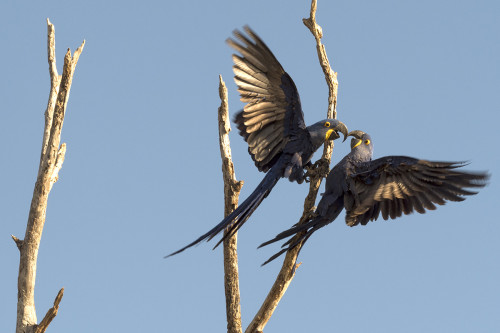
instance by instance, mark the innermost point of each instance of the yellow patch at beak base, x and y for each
(357, 144)
(328, 133)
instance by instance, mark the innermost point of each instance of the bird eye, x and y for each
(367, 142)
(327, 124)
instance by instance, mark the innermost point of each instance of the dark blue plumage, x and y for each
(391, 186)
(272, 123)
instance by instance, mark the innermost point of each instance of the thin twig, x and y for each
(232, 189)
(51, 159)
(330, 75)
(55, 80)
(51, 314)
(19, 242)
(289, 266)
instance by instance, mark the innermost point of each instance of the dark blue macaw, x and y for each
(272, 123)
(391, 186)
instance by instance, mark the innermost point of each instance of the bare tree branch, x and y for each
(232, 189)
(330, 75)
(55, 80)
(51, 160)
(19, 242)
(289, 266)
(51, 314)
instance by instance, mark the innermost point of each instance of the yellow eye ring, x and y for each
(367, 142)
(327, 124)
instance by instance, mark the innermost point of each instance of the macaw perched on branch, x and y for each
(272, 123)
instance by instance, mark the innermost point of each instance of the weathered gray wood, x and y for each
(51, 160)
(232, 189)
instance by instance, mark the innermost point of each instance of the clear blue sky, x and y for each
(142, 172)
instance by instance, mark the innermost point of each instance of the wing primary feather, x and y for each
(248, 68)
(249, 57)
(249, 78)
(266, 117)
(250, 109)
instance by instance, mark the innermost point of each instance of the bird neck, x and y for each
(360, 155)
(317, 139)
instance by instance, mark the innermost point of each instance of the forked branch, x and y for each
(51, 160)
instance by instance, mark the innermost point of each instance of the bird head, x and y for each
(361, 141)
(327, 129)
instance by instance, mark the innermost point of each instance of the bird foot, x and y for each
(312, 213)
(319, 169)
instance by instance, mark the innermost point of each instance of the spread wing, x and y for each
(273, 113)
(396, 185)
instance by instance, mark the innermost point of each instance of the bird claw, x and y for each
(312, 213)
(319, 168)
(307, 177)
(301, 179)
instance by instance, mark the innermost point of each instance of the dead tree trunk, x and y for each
(51, 160)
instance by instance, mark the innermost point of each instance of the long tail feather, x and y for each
(240, 215)
(301, 233)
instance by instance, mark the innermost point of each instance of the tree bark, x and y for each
(232, 189)
(51, 160)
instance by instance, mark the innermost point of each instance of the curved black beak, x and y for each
(339, 127)
(356, 133)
